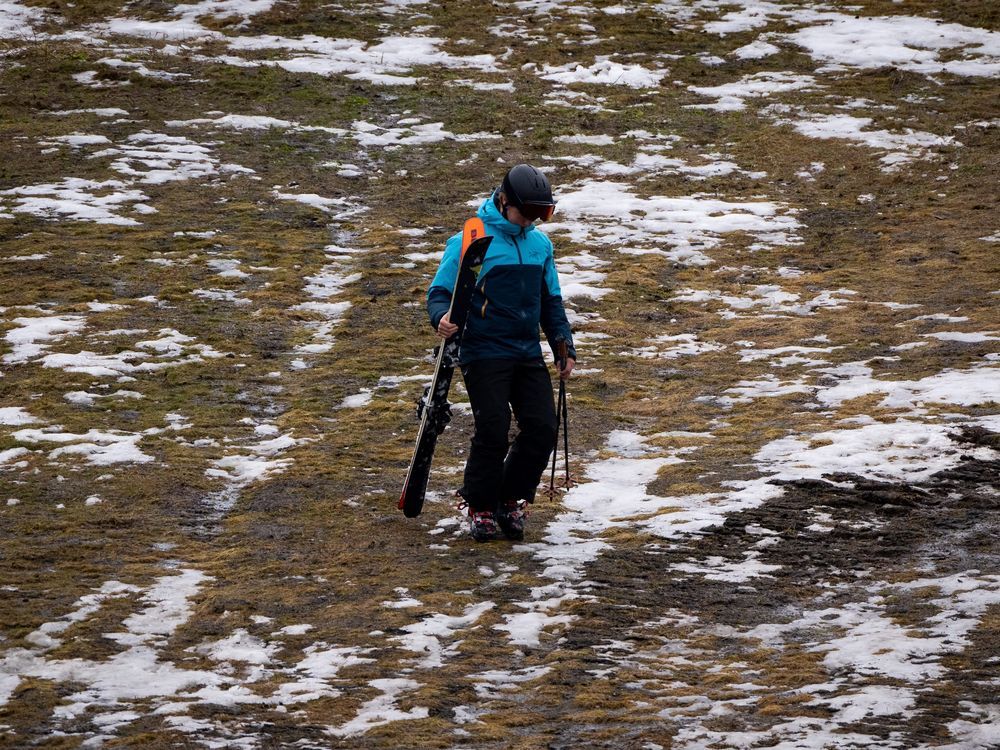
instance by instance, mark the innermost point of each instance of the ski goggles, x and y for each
(535, 211)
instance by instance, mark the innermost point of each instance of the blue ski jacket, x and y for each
(517, 290)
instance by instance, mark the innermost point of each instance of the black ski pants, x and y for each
(498, 470)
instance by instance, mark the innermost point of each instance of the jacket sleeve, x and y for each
(439, 294)
(555, 325)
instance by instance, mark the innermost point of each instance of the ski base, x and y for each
(434, 410)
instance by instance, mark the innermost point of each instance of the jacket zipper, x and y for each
(520, 260)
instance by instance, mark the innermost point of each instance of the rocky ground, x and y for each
(777, 239)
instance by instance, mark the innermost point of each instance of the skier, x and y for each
(517, 290)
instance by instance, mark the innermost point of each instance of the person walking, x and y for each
(517, 291)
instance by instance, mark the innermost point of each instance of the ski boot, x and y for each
(511, 519)
(483, 525)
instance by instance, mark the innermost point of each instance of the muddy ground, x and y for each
(212, 336)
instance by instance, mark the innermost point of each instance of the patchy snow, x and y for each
(587, 140)
(904, 42)
(767, 299)
(878, 666)
(425, 636)
(223, 9)
(382, 709)
(672, 347)
(731, 97)
(86, 398)
(169, 607)
(15, 416)
(357, 400)
(868, 642)
(136, 673)
(578, 277)
(901, 451)
(331, 281)
(250, 123)
(221, 295)
(99, 111)
(756, 50)
(767, 386)
(615, 496)
(44, 636)
(239, 646)
(900, 147)
(388, 62)
(612, 213)
(847, 42)
(255, 462)
(17, 21)
(716, 568)
(77, 200)
(615, 493)
(525, 628)
(494, 682)
(974, 387)
(180, 30)
(964, 338)
(649, 164)
(604, 71)
(76, 140)
(172, 349)
(100, 448)
(340, 207)
(227, 268)
(9, 456)
(369, 135)
(786, 356)
(141, 69)
(404, 601)
(155, 158)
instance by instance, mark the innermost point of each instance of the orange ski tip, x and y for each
(473, 230)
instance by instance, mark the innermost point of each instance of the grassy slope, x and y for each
(293, 548)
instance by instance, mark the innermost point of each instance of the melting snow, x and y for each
(257, 463)
(424, 637)
(239, 646)
(904, 42)
(171, 350)
(15, 416)
(386, 62)
(902, 451)
(96, 446)
(604, 71)
(382, 709)
(902, 147)
(78, 200)
(732, 96)
(611, 213)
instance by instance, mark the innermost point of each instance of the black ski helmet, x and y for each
(528, 190)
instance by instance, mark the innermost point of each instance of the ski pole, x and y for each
(555, 452)
(565, 416)
(562, 355)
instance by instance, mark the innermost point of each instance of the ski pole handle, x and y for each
(562, 354)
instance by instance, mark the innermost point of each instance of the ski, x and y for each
(433, 409)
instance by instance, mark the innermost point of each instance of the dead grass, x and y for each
(323, 543)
